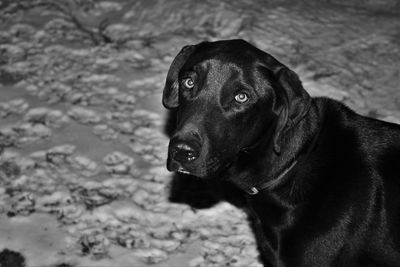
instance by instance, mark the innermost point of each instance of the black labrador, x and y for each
(323, 181)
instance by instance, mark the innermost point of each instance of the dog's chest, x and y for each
(287, 237)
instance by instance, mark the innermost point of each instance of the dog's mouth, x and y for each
(210, 168)
(198, 172)
(181, 170)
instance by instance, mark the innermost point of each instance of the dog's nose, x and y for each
(184, 152)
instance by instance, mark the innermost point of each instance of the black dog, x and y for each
(323, 181)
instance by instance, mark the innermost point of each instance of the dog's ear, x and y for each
(292, 104)
(170, 97)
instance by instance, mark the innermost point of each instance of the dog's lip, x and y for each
(173, 166)
(182, 170)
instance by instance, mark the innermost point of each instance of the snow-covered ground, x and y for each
(82, 171)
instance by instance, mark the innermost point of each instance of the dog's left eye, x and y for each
(241, 98)
(188, 83)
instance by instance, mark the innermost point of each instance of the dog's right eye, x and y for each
(188, 83)
(241, 98)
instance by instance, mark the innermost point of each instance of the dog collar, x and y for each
(254, 190)
(271, 184)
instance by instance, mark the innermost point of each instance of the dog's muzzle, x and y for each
(182, 154)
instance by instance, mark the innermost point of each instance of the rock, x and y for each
(107, 6)
(71, 213)
(122, 183)
(125, 127)
(83, 115)
(185, 235)
(148, 81)
(31, 88)
(16, 106)
(151, 256)
(22, 31)
(38, 130)
(11, 53)
(22, 204)
(78, 98)
(9, 169)
(141, 148)
(111, 90)
(127, 212)
(168, 245)
(4, 111)
(56, 118)
(53, 92)
(38, 156)
(119, 32)
(118, 169)
(153, 159)
(46, 116)
(87, 166)
(154, 188)
(147, 117)
(100, 78)
(10, 155)
(56, 158)
(54, 199)
(8, 137)
(56, 27)
(95, 244)
(123, 101)
(159, 174)
(66, 149)
(28, 132)
(116, 158)
(148, 201)
(117, 116)
(94, 198)
(25, 163)
(37, 115)
(106, 64)
(145, 132)
(104, 132)
(231, 27)
(197, 262)
(41, 37)
(134, 239)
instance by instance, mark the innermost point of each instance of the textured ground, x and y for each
(82, 176)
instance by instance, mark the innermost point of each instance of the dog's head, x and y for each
(228, 96)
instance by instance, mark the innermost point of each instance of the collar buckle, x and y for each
(253, 191)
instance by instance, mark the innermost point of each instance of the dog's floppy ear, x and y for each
(170, 97)
(292, 104)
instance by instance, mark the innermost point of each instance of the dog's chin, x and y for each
(193, 172)
(206, 172)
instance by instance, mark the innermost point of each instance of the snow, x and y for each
(82, 165)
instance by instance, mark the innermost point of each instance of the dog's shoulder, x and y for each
(370, 129)
(374, 142)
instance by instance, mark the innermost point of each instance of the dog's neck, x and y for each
(265, 170)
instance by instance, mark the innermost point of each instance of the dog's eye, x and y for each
(188, 83)
(241, 98)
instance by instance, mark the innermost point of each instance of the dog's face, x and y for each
(228, 95)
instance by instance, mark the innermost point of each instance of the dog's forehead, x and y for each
(236, 52)
(228, 65)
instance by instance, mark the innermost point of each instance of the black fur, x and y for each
(338, 206)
